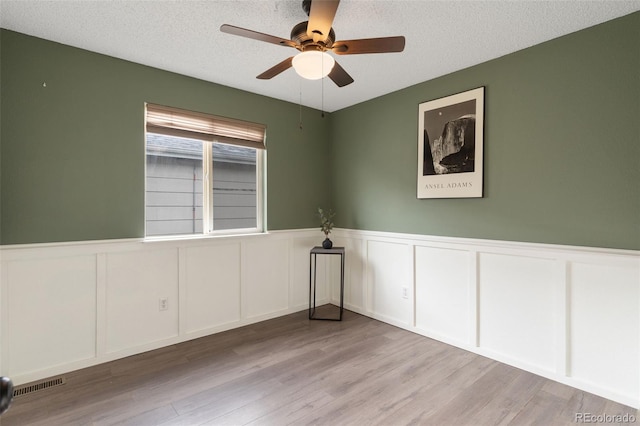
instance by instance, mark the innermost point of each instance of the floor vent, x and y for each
(37, 386)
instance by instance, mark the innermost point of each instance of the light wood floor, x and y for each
(293, 371)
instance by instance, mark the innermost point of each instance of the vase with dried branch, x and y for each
(326, 225)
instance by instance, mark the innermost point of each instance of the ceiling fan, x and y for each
(315, 37)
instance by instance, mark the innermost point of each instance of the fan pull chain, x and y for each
(322, 110)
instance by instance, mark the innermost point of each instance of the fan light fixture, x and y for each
(314, 38)
(313, 65)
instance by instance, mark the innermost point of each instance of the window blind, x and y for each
(196, 125)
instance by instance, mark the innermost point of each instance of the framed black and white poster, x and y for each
(450, 146)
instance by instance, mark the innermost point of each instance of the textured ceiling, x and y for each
(184, 37)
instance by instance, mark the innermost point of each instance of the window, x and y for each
(204, 174)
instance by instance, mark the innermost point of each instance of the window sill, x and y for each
(235, 233)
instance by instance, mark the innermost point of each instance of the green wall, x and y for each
(72, 163)
(562, 148)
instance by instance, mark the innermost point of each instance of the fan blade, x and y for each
(369, 45)
(339, 76)
(243, 32)
(277, 69)
(321, 18)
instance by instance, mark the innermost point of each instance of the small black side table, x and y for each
(312, 280)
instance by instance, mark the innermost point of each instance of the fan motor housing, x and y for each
(299, 36)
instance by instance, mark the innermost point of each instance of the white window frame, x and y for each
(207, 203)
(207, 194)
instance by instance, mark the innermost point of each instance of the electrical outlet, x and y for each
(163, 304)
(405, 293)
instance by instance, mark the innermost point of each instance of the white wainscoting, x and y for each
(571, 314)
(72, 305)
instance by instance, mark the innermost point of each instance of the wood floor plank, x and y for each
(224, 404)
(292, 371)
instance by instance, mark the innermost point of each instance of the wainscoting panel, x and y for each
(443, 295)
(389, 281)
(212, 294)
(300, 273)
(604, 326)
(136, 281)
(517, 306)
(355, 263)
(265, 278)
(51, 317)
